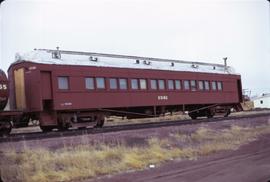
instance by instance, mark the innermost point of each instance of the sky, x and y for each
(192, 30)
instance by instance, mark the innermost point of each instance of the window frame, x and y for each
(201, 88)
(212, 88)
(193, 88)
(116, 84)
(219, 86)
(163, 83)
(68, 83)
(187, 81)
(208, 88)
(94, 86)
(137, 84)
(171, 85)
(126, 84)
(104, 83)
(180, 85)
(156, 84)
(140, 83)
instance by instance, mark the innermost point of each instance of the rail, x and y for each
(118, 128)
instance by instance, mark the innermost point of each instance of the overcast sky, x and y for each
(201, 30)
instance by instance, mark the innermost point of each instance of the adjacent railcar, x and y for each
(6, 116)
(3, 90)
(66, 88)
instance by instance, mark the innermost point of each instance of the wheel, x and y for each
(64, 123)
(192, 115)
(46, 128)
(22, 122)
(228, 112)
(100, 123)
(5, 128)
(63, 128)
(20, 125)
(210, 113)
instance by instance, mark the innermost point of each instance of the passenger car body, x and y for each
(64, 87)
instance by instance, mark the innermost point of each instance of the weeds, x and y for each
(85, 161)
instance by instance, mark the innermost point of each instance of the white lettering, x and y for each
(32, 68)
(3, 87)
(162, 97)
(66, 104)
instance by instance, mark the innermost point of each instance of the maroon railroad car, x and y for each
(6, 116)
(67, 88)
(3, 90)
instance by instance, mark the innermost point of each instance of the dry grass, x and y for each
(81, 162)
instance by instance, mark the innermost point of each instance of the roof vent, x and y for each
(195, 66)
(172, 64)
(137, 61)
(94, 59)
(146, 62)
(56, 54)
(17, 57)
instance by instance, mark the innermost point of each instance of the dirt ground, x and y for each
(251, 163)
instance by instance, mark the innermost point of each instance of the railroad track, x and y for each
(117, 128)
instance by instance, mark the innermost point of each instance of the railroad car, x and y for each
(67, 88)
(3, 90)
(6, 116)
